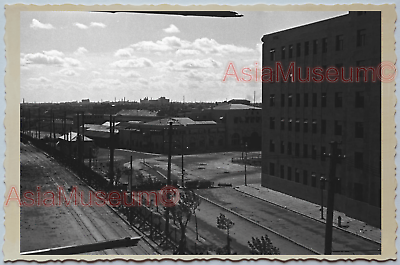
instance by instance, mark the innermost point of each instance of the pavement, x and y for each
(310, 210)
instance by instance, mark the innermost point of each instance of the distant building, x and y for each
(85, 100)
(242, 124)
(300, 119)
(160, 101)
(136, 115)
(68, 145)
(188, 135)
(239, 101)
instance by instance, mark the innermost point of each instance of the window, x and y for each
(271, 146)
(290, 51)
(338, 128)
(282, 147)
(305, 126)
(359, 102)
(272, 169)
(358, 191)
(314, 99)
(358, 160)
(339, 43)
(298, 48)
(361, 37)
(324, 45)
(272, 100)
(283, 52)
(323, 100)
(289, 173)
(359, 130)
(297, 175)
(323, 153)
(297, 125)
(289, 148)
(290, 101)
(323, 126)
(315, 46)
(313, 152)
(272, 54)
(314, 126)
(297, 100)
(305, 151)
(338, 99)
(290, 125)
(272, 123)
(305, 99)
(282, 100)
(306, 48)
(297, 149)
(313, 180)
(282, 124)
(282, 171)
(305, 177)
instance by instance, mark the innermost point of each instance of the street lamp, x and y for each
(245, 165)
(322, 185)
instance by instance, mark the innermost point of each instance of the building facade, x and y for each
(242, 124)
(302, 116)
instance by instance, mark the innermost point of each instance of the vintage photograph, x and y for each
(205, 133)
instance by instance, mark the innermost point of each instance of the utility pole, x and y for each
(83, 139)
(331, 196)
(245, 165)
(183, 170)
(39, 121)
(111, 170)
(54, 128)
(168, 176)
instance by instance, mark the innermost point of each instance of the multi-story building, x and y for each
(301, 117)
(242, 124)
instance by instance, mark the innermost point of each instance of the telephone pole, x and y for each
(168, 177)
(111, 170)
(331, 197)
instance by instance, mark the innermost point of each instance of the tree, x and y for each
(262, 246)
(225, 223)
(182, 213)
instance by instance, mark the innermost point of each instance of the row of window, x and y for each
(313, 128)
(324, 43)
(296, 100)
(287, 148)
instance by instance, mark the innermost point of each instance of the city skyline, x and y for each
(66, 56)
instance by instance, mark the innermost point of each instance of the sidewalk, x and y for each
(310, 210)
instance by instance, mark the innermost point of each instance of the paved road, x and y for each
(297, 227)
(55, 226)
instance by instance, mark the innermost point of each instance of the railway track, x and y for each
(96, 223)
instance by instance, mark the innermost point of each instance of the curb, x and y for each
(310, 217)
(264, 227)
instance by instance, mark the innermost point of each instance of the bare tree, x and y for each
(182, 212)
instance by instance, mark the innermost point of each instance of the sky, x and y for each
(71, 55)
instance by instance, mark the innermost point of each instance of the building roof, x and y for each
(176, 121)
(72, 137)
(136, 112)
(235, 107)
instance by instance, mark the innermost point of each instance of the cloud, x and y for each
(173, 44)
(92, 25)
(52, 57)
(80, 51)
(81, 26)
(41, 79)
(96, 73)
(127, 52)
(130, 74)
(133, 63)
(143, 81)
(67, 72)
(186, 65)
(35, 24)
(54, 53)
(97, 24)
(171, 29)
(102, 83)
